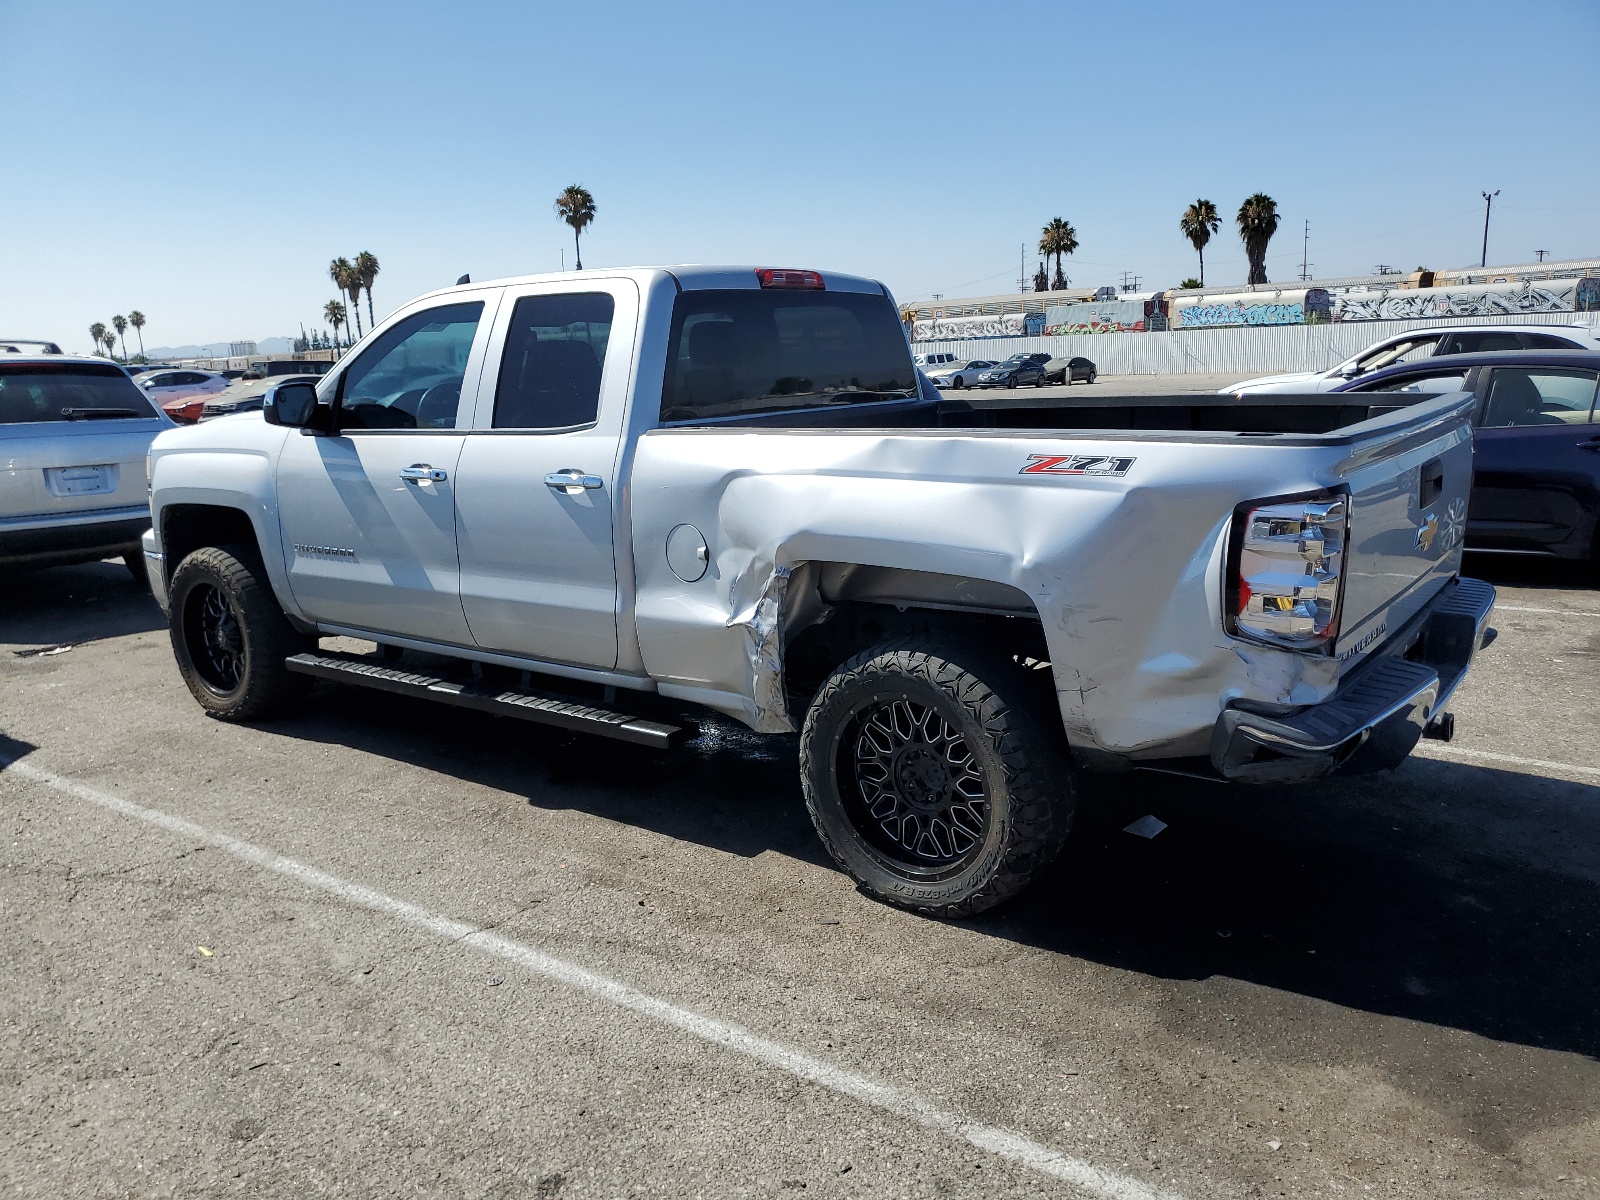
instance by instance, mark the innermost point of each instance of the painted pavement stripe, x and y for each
(1554, 612)
(1432, 750)
(1023, 1151)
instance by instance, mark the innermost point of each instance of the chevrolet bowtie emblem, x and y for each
(1426, 532)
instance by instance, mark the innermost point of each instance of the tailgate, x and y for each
(1408, 511)
(59, 468)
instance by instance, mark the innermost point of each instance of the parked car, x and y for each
(1069, 370)
(1536, 445)
(961, 375)
(246, 395)
(938, 358)
(182, 393)
(951, 609)
(1019, 370)
(1417, 344)
(74, 433)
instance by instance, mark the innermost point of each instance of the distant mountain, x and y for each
(271, 345)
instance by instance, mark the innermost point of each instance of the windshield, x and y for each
(739, 352)
(69, 392)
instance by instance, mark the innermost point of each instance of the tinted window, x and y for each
(66, 393)
(766, 351)
(550, 375)
(1479, 343)
(164, 380)
(410, 377)
(1539, 396)
(1546, 341)
(1452, 382)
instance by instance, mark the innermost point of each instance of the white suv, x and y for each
(1421, 343)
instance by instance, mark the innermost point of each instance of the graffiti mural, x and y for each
(994, 325)
(1506, 299)
(1200, 315)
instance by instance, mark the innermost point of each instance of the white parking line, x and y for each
(1554, 612)
(1433, 750)
(907, 1105)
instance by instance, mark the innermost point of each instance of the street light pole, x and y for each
(1488, 203)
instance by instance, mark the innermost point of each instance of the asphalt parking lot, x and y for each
(382, 948)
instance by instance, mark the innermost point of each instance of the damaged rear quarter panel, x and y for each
(1125, 572)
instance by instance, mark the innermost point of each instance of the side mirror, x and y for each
(148, 384)
(1350, 372)
(291, 404)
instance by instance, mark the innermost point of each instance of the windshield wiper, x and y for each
(97, 414)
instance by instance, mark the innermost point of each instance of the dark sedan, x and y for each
(1069, 370)
(1020, 370)
(1536, 444)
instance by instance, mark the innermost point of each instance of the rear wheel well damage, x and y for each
(832, 611)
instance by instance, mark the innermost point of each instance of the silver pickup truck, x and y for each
(598, 500)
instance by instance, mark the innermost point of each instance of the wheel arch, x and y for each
(188, 525)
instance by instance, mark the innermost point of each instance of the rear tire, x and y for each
(230, 637)
(932, 779)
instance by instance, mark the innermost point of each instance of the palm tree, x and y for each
(575, 206)
(98, 332)
(136, 319)
(334, 312)
(1058, 238)
(109, 337)
(120, 324)
(367, 270)
(1258, 221)
(1198, 223)
(344, 277)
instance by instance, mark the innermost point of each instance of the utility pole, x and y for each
(1130, 282)
(1305, 249)
(1385, 269)
(1488, 203)
(1022, 268)
(1541, 254)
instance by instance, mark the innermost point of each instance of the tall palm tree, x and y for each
(367, 270)
(334, 312)
(1058, 238)
(120, 324)
(1258, 221)
(109, 337)
(136, 319)
(98, 332)
(343, 274)
(575, 206)
(1198, 223)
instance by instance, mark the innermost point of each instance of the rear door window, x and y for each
(550, 373)
(70, 392)
(735, 353)
(1480, 343)
(1539, 396)
(1549, 341)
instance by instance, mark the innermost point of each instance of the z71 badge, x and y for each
(1076, 464)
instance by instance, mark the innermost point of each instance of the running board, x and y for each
(505, 702)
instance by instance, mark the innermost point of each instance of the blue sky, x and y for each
(204, 162)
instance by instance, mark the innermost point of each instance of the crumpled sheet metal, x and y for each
(761, 620)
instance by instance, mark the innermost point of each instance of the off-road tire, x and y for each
(234, 577)
(1000, 713)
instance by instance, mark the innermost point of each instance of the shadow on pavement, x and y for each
(74, 604)
(1531, 571)
(1383, 894)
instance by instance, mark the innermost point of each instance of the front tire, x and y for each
(931, 778)
(230, 637)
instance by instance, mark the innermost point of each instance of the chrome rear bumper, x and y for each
(1380, 710)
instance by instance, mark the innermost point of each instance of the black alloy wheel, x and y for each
(915, 791)
(215, 639)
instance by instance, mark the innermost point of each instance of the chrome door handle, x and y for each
(422, 472)
(572, 481)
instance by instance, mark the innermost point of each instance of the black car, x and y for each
(1019, 370)
(1069, 370)
(1535, 442)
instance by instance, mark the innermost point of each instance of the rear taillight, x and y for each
(1286, 570)
(782, 277)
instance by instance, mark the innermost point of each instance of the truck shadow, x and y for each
(1450, 894)
(84, 603)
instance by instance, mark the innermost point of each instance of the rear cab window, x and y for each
(36, 392)
(738, 353)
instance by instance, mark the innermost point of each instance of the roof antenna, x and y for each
(464, 279)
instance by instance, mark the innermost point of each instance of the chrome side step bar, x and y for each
(505, 702)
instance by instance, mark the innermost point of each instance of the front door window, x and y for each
(411, 376)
